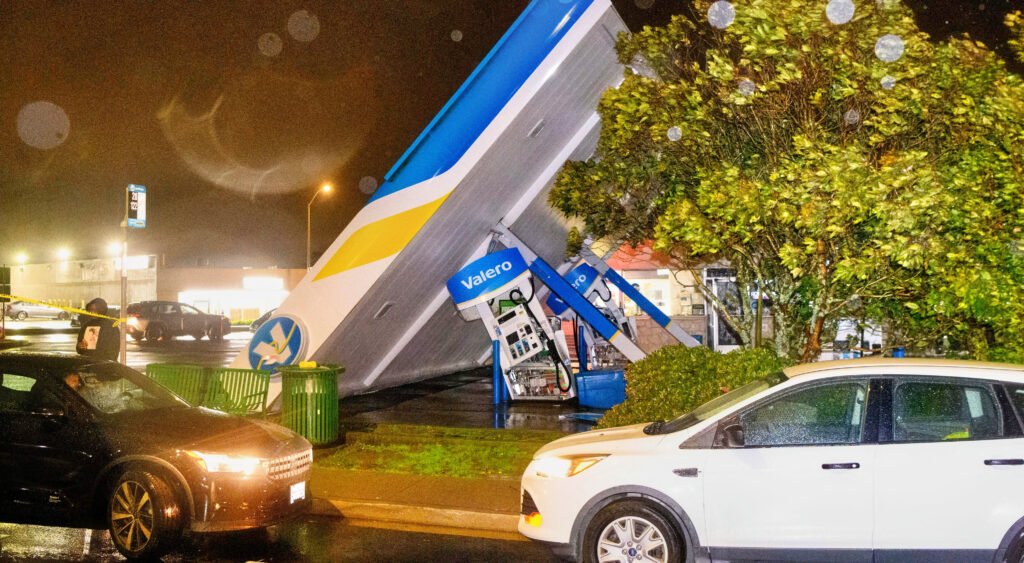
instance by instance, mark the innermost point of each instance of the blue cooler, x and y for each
(601, 389)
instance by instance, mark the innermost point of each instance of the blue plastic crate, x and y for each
(601, 389)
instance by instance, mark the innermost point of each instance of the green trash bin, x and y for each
(309, 401)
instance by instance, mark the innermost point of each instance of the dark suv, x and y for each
(163, 320)
(98, 445)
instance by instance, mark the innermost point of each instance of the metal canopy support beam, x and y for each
(586, 310)
(633, 293)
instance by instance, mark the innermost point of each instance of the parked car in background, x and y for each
(76, 321)
(158, 321)
(94, 444)
(262, 319)
(21, 310)
(858, 460)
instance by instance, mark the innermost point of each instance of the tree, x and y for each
(840, 184)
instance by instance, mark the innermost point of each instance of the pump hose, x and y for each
(556, 358)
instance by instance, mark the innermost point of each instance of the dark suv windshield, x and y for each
(112, 388)
(716, 405)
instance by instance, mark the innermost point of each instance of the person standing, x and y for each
(98, 336)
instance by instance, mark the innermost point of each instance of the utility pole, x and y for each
(123, 349)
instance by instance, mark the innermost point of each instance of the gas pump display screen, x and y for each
(512, 338)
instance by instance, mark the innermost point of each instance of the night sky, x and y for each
(232, 113)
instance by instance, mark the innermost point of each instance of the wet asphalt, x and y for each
(312, 539)
(183, 350)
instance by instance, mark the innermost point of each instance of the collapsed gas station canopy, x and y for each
(376, 301)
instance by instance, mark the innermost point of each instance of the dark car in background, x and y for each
(94, 444)
(158, 321)
(115, 312)
(262, 319)
(21, 310)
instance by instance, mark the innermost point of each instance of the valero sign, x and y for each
(582, 278)
(486, 277)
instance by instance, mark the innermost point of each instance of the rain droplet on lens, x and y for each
(456, 35)
(888, 82)
(303, 26)
(889, 48)
(852, 117)
(674, 133)
(43, 125)
(368, 184)
(721, 14)
(839, 11)
(747, 87)
(643, 4)
(270, 44)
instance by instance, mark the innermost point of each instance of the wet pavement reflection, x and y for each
(315, 538)
(183, 350)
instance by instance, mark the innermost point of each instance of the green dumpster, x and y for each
(309, 401)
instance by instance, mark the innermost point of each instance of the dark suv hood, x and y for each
(181, 428)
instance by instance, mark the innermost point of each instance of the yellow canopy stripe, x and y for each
(380, 239)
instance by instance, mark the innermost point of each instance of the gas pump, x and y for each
(592, 350)
(533, 353)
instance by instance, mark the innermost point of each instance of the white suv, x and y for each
(863, 460)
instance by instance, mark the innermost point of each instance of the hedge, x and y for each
(677, 379)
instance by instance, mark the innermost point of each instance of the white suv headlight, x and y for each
(566, 466)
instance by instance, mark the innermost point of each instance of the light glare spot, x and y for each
(43, 125)
(721, 14)
(270, 44)
(888, 82)
(674, 133)
(368, 185)
(852, 117)
(456, 35)
(303, 26)
(889, 48)
(747, 87)
(839, 11)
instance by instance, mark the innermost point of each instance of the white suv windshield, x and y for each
(716, 405)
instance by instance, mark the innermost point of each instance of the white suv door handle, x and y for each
(1004, 462)
(851, 465)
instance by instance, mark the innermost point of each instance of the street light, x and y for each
(63, 254)
(21, 258)
(326, 188)
(114, 248)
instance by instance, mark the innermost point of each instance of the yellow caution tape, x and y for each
(116, 320)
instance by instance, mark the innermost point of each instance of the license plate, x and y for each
(298, 491)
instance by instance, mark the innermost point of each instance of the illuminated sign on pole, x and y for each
(136, 206)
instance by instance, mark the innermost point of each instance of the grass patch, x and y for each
(436, 450)
(475, 434)
(458, 460)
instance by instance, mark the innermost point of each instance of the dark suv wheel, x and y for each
(143, 516)
(155, 332)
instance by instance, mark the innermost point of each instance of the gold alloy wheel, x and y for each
(131, 516)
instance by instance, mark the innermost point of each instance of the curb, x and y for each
(418, 515)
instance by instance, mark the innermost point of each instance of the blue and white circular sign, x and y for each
(280, 341)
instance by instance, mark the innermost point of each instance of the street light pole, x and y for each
(309, 208)
(123, 346)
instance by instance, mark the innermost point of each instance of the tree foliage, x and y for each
(836, 195)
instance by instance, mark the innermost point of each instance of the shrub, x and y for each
(677, 379)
